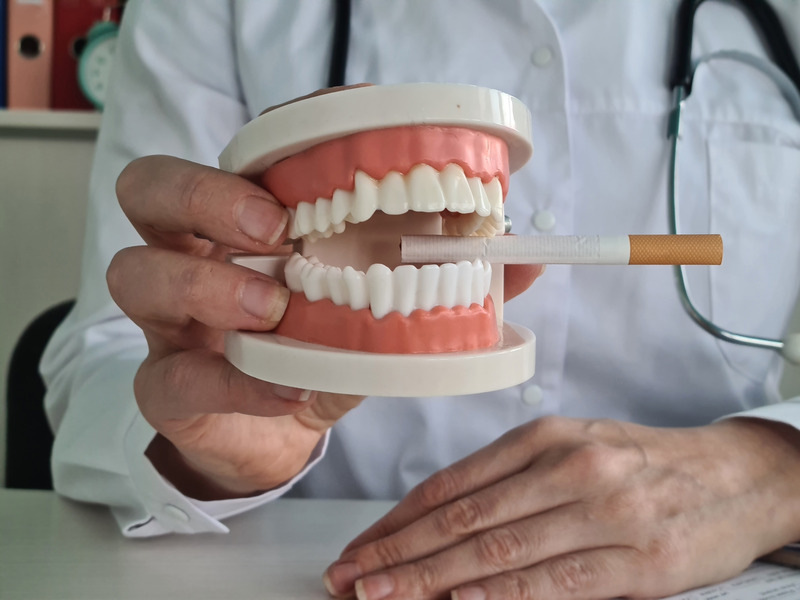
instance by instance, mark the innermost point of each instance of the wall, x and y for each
(43, 181)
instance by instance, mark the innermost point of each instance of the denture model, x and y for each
(357, 169)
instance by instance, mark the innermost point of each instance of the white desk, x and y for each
(52, 548)
(55, 549)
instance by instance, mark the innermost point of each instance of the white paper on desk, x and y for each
(761, 581)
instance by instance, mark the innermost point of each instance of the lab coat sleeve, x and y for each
(184, 102)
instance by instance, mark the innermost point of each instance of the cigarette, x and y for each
(566, 249)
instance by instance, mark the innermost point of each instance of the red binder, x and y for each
(30, 53)
(73, 19)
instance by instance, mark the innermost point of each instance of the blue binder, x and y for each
(3, 48)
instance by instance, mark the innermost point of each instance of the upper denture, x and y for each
(328, 166)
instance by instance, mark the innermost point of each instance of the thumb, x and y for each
(326, 409)
(518, 278)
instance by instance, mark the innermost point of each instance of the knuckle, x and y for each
(667, 552)
(192, 197)
(190, 282)
(593, 462)
(517, 587)
(386, 551)
(630, 505)
(127, 180)
(460, 517)
(116, 274)
(179, 371)
(500, 548)
(570, 574)
(437, 489)
(428, 578)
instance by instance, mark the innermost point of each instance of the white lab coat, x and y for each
(612, 341)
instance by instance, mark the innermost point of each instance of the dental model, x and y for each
(357, 169)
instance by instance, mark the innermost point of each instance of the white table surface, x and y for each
(53, 548)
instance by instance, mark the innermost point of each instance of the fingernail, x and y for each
(290, 393)
(264, 300)
(374, 587)
(340, 577)
(469, 593)
(261, 219)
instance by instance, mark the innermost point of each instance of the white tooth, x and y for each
(458, 196)
(494, 192)
(292, 233)
(448, 276)
(463, 225)
(427, 286)
(304, 219)
(488, 228)
(487, 278)
(392, 197)
(340, 205)
(339, 227)
(425, 190)
(314, 286)
(336, 286)
(482, 206)
(322, 215)
(314, 260)
(478, 283)
(356, 283)
(365, 198)
(464, 283)
(379, 282)
(405, 288)
(292, 270)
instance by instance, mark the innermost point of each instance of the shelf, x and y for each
(60, 120)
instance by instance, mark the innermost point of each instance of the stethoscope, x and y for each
(784, 72)
(786, 75)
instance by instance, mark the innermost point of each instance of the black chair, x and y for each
(29, 440)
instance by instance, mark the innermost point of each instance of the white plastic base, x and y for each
(288, 362)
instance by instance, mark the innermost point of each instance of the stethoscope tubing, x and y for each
(787, 75)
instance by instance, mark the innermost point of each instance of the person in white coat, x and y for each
(644, 458)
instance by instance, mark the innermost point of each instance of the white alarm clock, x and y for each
(96, 60)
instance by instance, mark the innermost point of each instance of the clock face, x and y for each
(96, 63)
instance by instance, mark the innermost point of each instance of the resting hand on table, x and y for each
(565, 509)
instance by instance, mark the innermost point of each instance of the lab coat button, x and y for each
(544, 220)
(542, 56)
(176, 513)
(532, 395)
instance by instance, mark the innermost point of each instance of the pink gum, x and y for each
(320, 170)
(422, 332)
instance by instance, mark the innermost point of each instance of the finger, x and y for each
(512, 502)
(518, 278)
(314, 94)
(507, 455)
(596, 574)
(166, 291)
(185, 384)
(499, 551)
(173, 203)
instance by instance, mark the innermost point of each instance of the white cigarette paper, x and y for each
(565, 249)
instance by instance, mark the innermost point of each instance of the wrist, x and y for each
(764, 463)
(191, 480)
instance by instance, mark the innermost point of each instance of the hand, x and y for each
(220, 433)
(566, 509)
